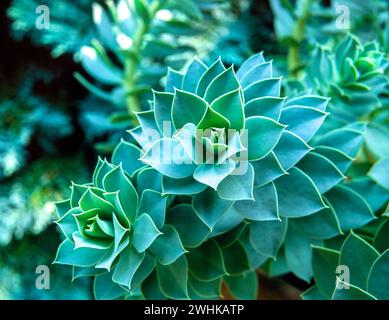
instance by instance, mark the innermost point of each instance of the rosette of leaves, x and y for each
(263, 196)
(215, 212)
(137, 38)
(355, 270)
(354, 75)
(115, 234)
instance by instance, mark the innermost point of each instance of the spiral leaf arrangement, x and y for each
(220, 171)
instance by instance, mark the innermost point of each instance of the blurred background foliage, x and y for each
(60, 108)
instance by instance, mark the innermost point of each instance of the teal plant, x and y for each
(219, 166)
(356, 77)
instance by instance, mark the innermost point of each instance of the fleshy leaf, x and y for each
(222, 84)
(154, 204)
(351, 293)
(82, 257)
(105, 289)
(116, 180)
(264, 206)
(264, 106)
(145, 232)
(290, 149)
(173, 279)
(378, 277)
(359, 256)
(187, 108)
(269, 87)
(267, 170)
(193, 74)
(185, 186)
(324, 264)
(350, 208)
(128, 264)
(230, 106)
(297, 195)
(168, 157)
(167, 248)
(206, 261)
(214, 70)
(209, 207)
(267, 236)
(127, 155)
(322, 171)
(263, 135)
(238, 186)
(212, 174)
(163, 103)
(244, 286)
(191, 229)
(303, 121)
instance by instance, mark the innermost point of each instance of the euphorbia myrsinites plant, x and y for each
(221, 173)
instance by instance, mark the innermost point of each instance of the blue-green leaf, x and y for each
(297, 195)
(267, 236)
(238, 185)
(167, 248)
(264, 206)
(145, 232)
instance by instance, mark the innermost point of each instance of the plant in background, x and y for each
(144, 38)
(19, 261)
(356, 76)
(26, 200)
(24, 121)
(301, 23)
(69, 24)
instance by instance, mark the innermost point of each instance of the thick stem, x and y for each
(132, 63)
(293, 58)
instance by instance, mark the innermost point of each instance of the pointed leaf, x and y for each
(263, 135)
(209, 207)
(145, 232)
(238, 185)
(360, 263)
(267, 236)
(297, 195)
(167, 248)
(264, 206)
(173, 279)
(191, 229)
(202, 266)
(222, 84)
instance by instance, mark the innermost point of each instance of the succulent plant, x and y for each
(103, 224)
(354, 75)
(222, 167)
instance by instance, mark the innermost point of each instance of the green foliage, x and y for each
(227, 167)
(138, 40)
(69, 24)
(18, 271)
(365, 277)
(25, 118)
(285, 187)
(26, 200)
